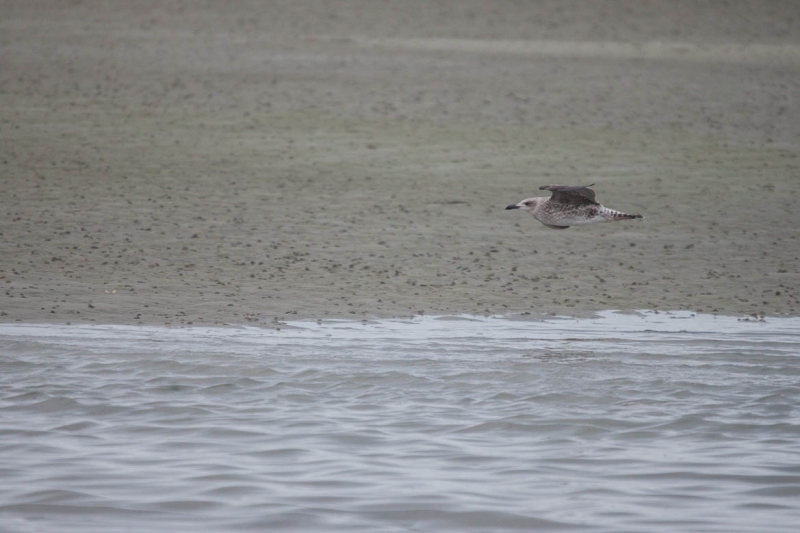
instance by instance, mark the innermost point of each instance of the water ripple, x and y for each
(625, 422)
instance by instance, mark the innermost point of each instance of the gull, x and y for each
(569, 206)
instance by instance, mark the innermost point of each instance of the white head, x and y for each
(528, 204)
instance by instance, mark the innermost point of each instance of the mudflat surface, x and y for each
(212, 163)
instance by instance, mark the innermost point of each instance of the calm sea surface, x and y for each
(628, 422)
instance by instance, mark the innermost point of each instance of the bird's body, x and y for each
(569, 206)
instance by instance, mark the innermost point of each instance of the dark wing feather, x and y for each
(566, 194)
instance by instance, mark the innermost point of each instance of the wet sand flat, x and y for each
(206, 163)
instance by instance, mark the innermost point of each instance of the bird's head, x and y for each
(529, 204)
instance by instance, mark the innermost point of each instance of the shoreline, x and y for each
(352, 326)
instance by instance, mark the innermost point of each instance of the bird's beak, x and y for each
(512, 206)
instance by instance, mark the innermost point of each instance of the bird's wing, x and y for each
(555, 227)
(566, 194)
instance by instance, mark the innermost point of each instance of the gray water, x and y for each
(648, 422)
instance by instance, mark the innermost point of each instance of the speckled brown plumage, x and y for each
(569, 206)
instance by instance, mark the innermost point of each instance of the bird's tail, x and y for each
(613, 215)
(626, 216)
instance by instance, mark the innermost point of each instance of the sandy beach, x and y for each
(212, 163)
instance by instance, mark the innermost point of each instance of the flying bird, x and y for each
(569, 206)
